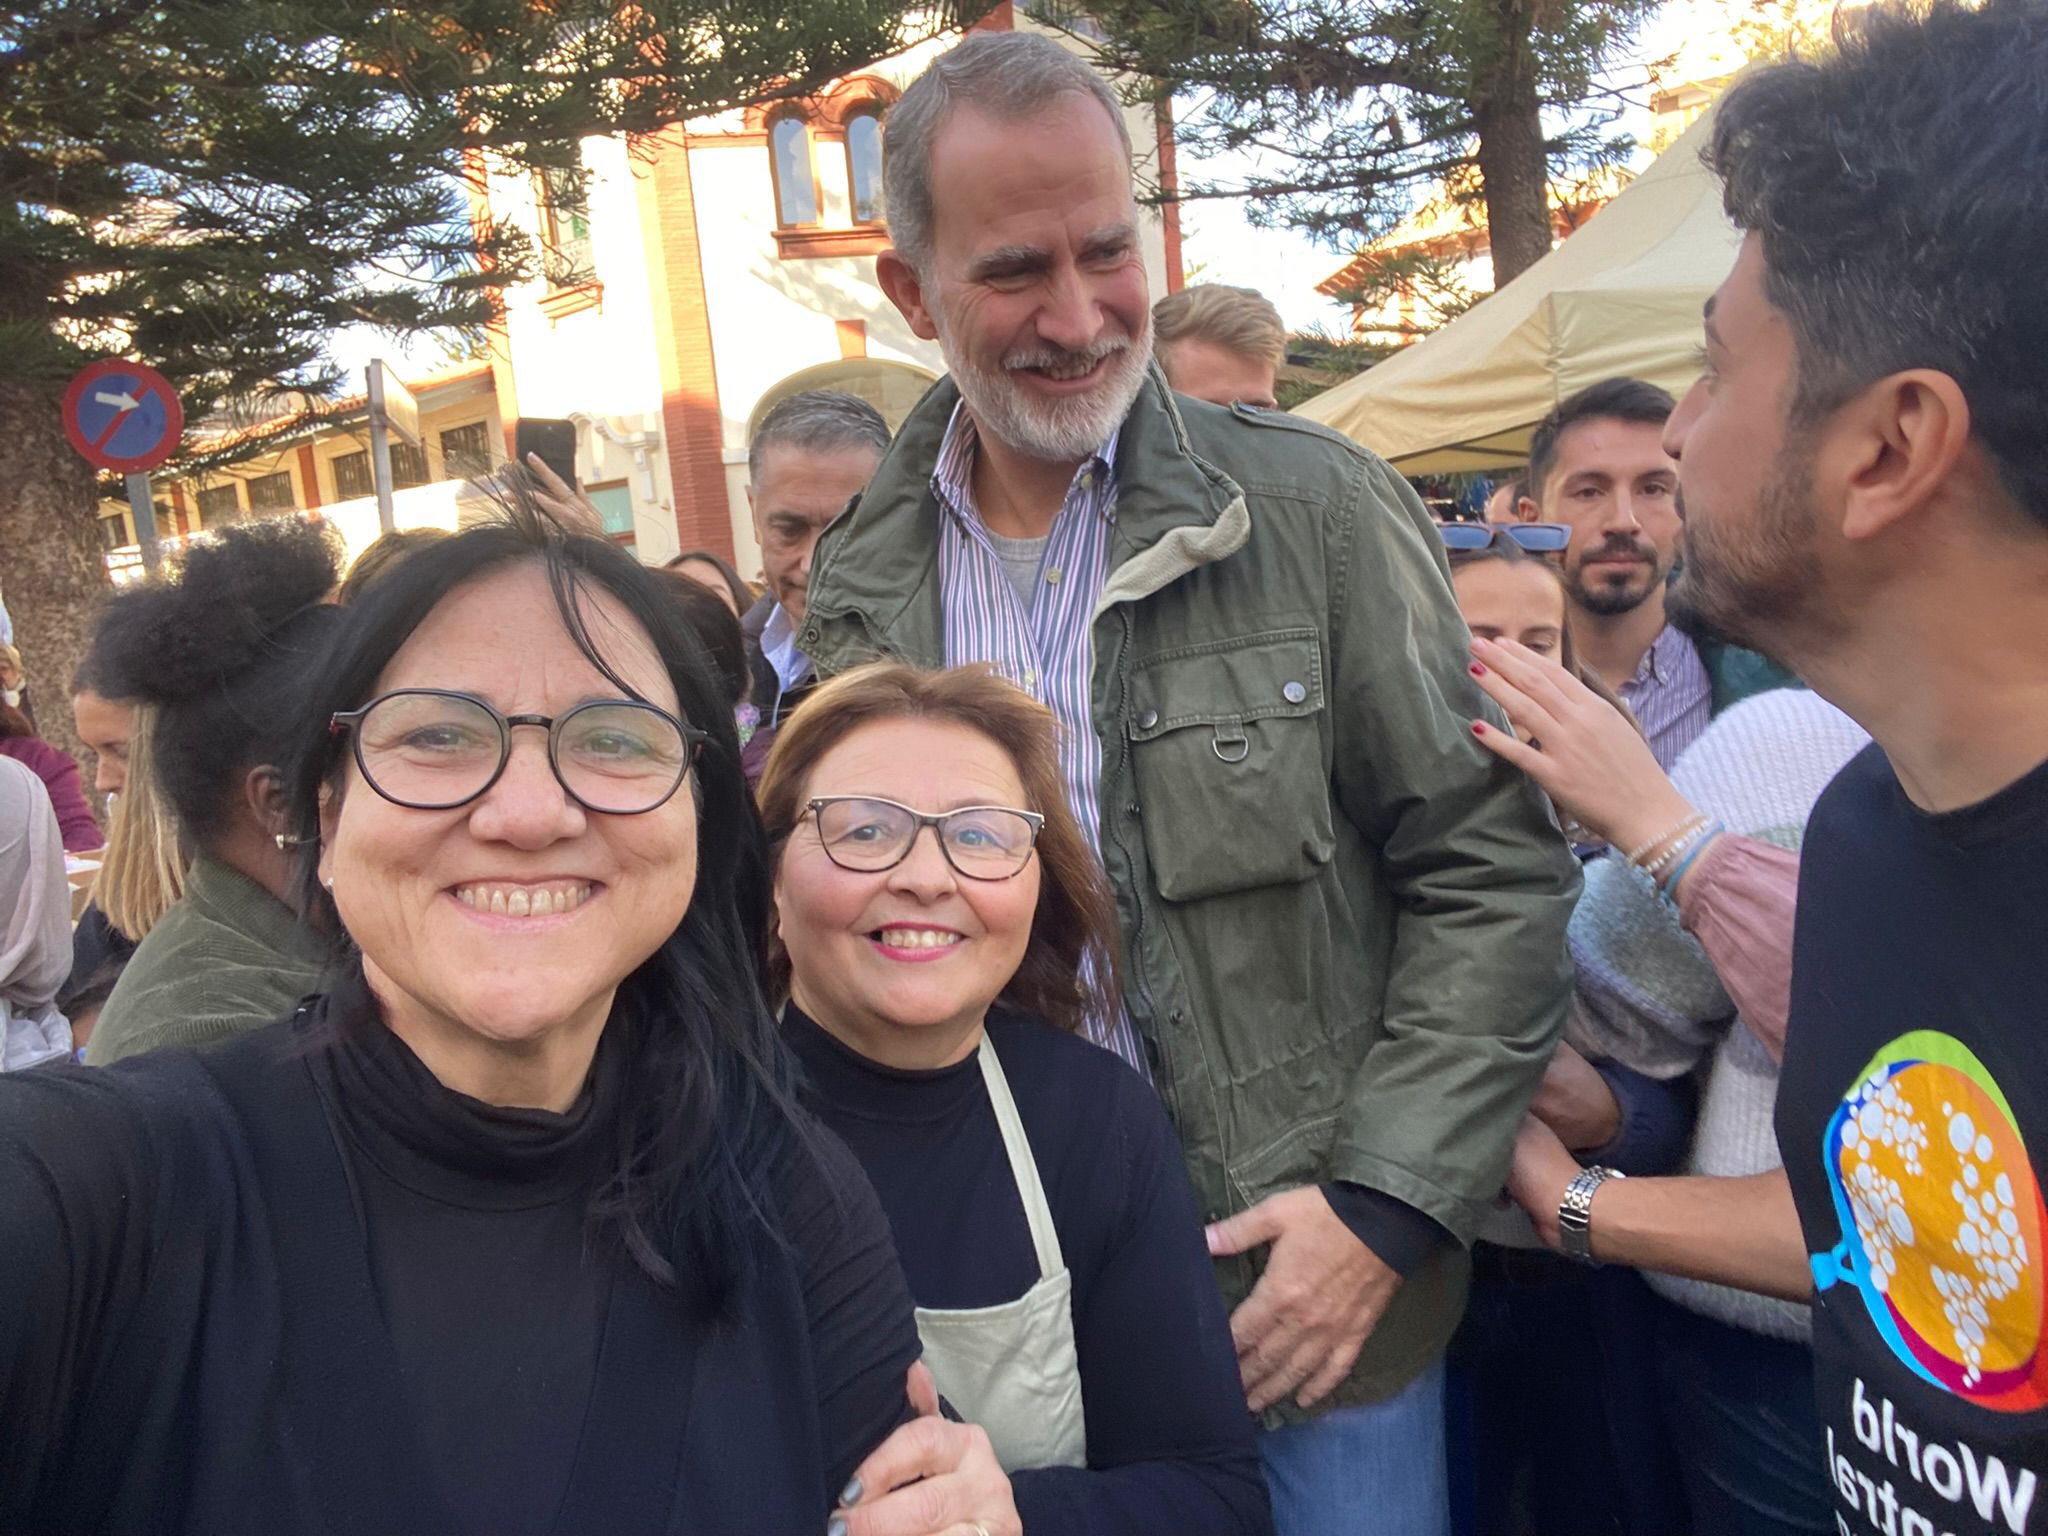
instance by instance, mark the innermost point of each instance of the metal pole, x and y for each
(380, 450)
(144, 508)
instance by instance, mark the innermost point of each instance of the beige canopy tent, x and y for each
(1622, 295)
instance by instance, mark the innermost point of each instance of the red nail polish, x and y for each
(1477, 670)
(1478, 727)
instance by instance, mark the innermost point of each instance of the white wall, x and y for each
(599, 362)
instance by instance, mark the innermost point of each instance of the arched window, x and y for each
(864, 164)
(796, 184)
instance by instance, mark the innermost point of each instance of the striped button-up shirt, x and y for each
(1671, 695)
(1044, 646)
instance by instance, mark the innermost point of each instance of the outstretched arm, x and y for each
(1742, 1232)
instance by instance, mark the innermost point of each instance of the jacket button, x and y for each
(1148, 719)
(1294, 693)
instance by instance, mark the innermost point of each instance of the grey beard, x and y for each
(1069, 430)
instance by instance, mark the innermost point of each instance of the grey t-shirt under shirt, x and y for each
(1021, 560)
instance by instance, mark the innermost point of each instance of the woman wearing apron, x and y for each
(943, 933)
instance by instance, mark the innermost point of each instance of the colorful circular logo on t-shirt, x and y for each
(1942, 1222)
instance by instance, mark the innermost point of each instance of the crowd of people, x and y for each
(1396, 1027)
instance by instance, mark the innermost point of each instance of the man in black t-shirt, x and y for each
(1864, 471)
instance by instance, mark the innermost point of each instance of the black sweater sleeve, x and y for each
(1170, 1443)
(863, 1339)
(77, 1176)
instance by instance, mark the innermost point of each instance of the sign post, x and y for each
(125, 417)
(392, 409)
(143, 507)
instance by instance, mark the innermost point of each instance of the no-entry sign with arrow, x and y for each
(123, 416)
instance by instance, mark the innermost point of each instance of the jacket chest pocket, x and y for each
(1227, 751)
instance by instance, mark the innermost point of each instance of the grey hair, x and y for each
(817, 421)
(1008, 75)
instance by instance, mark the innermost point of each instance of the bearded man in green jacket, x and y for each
(1343, 919)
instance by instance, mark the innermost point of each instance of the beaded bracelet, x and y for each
(1670, 834)
(1676, 850)
(1669, 883)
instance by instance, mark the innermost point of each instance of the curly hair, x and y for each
(221, 648)
(1896, 189)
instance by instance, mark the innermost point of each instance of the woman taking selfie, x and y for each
(937, 909)
(518, 1229)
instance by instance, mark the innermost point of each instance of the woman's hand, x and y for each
(569, 506)
(1575, 1101)
(932, 1477)
(1589, 759)
(1539, 1175)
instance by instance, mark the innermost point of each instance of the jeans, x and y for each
(1742, 1411)
(1374, 1470)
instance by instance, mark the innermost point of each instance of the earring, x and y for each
(286, 841)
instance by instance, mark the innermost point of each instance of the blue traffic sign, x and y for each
(123, 416)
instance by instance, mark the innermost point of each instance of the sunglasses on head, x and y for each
(1535, 538)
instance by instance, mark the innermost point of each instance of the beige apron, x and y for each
(1012, 1369)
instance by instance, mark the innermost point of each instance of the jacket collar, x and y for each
(230, 898)
(878, 564)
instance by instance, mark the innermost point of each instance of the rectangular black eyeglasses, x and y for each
(467, 770)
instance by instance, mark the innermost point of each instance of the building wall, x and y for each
(309, 460)
(587, 357)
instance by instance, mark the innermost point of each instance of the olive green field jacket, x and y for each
(1343, 919)
(226, 959)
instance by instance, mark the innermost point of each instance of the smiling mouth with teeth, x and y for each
(916, 938)
(502, 900)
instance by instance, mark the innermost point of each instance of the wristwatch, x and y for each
(1575, 1213)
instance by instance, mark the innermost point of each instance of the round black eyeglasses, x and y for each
(981, 842)
(430, 749)
(1535, 538)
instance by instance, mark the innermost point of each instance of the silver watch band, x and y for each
(1575, 1212)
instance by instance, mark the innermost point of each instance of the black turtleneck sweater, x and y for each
(1170, 1444)
(473, 1217)
(293, 1285)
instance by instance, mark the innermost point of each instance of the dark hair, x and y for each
(716, 627)
(380, 555)
(742, 594)
(222, 647)
(704, 1104)
(817, 421)
(90, 675)
(1076, 924)
(1631, 400)
(1896, 187)
(13, 723)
